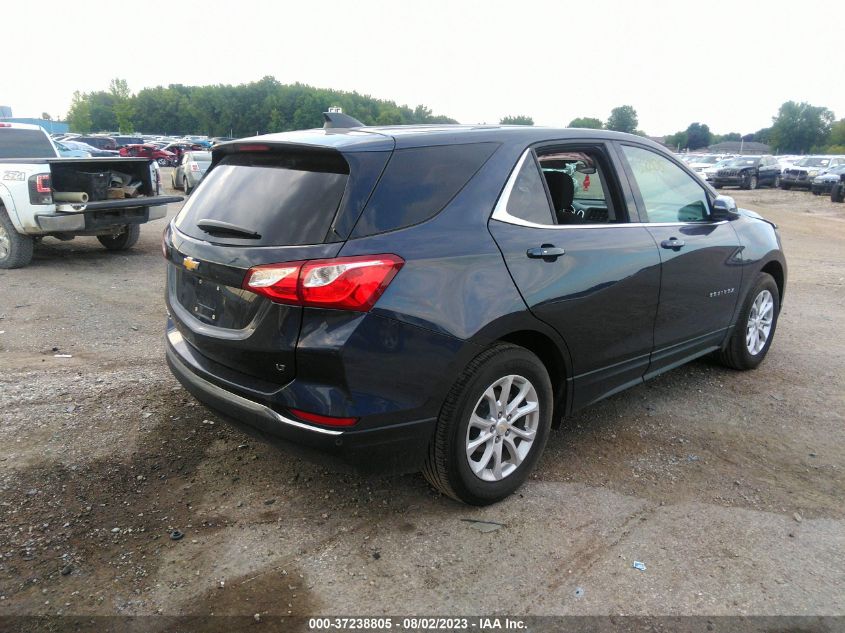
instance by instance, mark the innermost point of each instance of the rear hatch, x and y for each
(259, 204)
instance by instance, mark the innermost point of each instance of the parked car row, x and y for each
(166, 150)
(818, 174)
(802, 174)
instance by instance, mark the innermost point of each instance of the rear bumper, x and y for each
(97, 220)
(194, 178)
(398, 447)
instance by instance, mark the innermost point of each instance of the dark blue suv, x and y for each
(438, 298)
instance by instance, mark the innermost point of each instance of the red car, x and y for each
(180, 148)
(162, 157)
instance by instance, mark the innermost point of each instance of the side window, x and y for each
(418, 183)
(528, 200)
(669, 193)
(579, 189)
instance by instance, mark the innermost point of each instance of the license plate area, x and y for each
(214, 303)
(208, 300)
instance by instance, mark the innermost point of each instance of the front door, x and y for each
(580, 265)
(700, 264)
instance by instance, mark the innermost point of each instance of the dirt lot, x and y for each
(728, 486)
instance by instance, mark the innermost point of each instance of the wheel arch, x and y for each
(776, 270)
(7, 206)
(549, 353)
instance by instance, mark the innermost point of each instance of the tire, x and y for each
(124, 240)
(837, 192)
(738, 352)
(776, 182)
(163, 162)
(450, 468)
(785, 186)
(717, 186)
(15, 249)
(185, 186)
(750, 181)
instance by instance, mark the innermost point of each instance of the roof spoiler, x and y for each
(339, 120)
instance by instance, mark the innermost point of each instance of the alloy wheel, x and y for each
(759, 324)
(502, 428)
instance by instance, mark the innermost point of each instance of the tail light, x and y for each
(165, 242)
(343, 283)
(326, 420)
(40, 189)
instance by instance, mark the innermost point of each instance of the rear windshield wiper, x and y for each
(216, 227)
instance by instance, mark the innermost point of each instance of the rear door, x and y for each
(769, 170)
(580, 264)
(700, 258)
(253, 208)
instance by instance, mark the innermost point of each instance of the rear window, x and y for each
(286, 199)
(16, 143)
(418, 183)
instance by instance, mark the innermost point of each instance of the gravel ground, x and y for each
(728, 486)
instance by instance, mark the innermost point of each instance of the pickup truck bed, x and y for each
(106, 197)
(28, 211)
(98, 215)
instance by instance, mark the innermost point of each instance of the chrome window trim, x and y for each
(500, 211)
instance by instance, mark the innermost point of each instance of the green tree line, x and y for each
(269, 106)
(797, 128)
(222, 110)
(621, 119)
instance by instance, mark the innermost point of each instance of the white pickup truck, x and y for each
(42, 194)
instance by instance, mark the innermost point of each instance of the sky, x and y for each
(727, 64)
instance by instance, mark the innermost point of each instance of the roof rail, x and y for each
(338, 119)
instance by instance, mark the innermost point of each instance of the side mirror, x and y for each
(724, 207)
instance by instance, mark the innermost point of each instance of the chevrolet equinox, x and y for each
(437, 298)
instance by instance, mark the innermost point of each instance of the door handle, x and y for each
(674, 243)
(548, 252)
